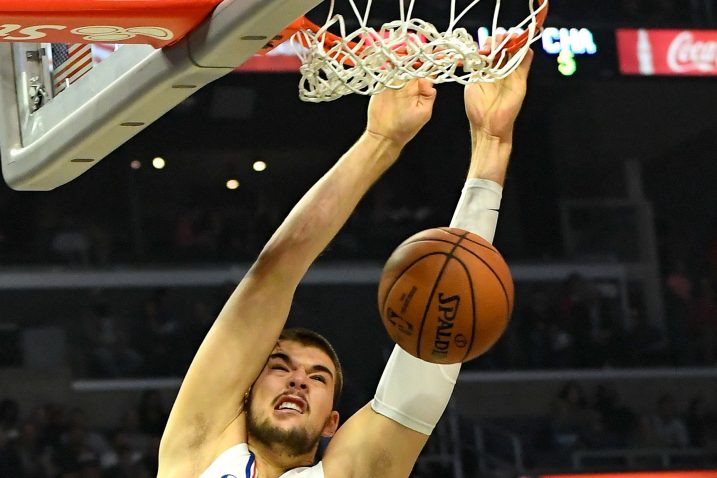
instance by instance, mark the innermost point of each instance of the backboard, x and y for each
(47, 140)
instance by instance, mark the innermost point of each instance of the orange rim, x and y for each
(516, 43)
(330, 39)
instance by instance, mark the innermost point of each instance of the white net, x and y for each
(367, 60)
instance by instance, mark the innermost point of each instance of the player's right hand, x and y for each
(400, 114)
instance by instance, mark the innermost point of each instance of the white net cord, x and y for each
(366, 61)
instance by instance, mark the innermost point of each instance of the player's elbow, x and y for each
(297, 242)
(279, 262)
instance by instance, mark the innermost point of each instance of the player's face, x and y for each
(291, 403)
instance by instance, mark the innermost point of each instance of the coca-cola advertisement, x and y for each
(667, 52)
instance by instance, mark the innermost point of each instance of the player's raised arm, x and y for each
(205, 418)
(385, 437)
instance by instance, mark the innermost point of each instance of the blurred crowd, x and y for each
(602, 420)
(198, 233)
(58, 441)
(578, 326)
(570, 325)
(158, 341)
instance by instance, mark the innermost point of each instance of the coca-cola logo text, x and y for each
(686, 54)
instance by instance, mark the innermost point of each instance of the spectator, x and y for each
(697, 421)
(9, 417)
(131, 428)
(196, 233)
(158, 336)
(101, 241)
(617, 419)
(668, 426)
(9, 460)
(123, 460)
(562, 342)
(703, 332)
(109, 352)
(89, 467)
(152, 413)
(534, 329)
(233, 242)
(679, 307)
(710, 427)
(151, 460)
(74, 457)
(195, 328)
(95, 441)
(71, 243)
(591, 325)
(40, 417)
(571, 418)
(647, 343)
(56, 424)
(32, 457)
(711, 255)
(645, 435)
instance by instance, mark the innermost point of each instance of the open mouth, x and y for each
(291, 403)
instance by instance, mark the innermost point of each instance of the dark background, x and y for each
(574, 139)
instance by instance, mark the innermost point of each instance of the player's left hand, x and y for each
(493, 107)
(400, 114)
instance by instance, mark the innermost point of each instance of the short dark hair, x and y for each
(314, 339)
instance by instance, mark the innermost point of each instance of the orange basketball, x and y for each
(445, 295)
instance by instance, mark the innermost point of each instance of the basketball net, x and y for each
(366, 61)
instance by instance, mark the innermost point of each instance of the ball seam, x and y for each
(449, 255)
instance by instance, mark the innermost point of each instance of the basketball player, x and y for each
(255, 402)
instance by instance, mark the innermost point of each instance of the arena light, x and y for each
(259, 166)
(135, 164)
(232, 184)
(159, 163)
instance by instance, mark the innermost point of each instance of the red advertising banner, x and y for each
(667, 52)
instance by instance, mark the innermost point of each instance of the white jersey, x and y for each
(238, 462)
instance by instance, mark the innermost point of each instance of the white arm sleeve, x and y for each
(414, 392)
(477, 209)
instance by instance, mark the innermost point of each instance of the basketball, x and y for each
(445, 295)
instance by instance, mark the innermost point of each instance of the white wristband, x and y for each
(478, 207)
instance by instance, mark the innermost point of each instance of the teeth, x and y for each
(290, 406)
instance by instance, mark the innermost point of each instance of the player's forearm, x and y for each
(489, 157)
(415, 393)
(325, 208)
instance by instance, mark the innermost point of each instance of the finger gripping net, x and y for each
(366, 61)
